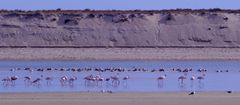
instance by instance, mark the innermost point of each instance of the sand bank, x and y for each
(75, 28)
(119, 53)
(119, 99)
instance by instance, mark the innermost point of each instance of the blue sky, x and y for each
(118, 4)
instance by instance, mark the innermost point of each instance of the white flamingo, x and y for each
(192, 81)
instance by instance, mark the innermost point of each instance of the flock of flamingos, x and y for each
(98, 80)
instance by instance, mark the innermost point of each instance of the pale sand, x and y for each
(119, 53)
(174, 98)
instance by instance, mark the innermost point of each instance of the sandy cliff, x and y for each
(179, 28)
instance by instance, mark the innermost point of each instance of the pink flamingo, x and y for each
(87, 79)
(71, 80)
(99, 79)
(6, 81)
(36, 82)
(200, 78)
(115, 81)
(126, 78)
(27, 80)
(160, 80)
(49, 80)
(94, 80)
(13, 79)
(125, 81)
(107, 81)
(90, 80)
(181, 79)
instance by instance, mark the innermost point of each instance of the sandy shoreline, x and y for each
(163, 98)
(120, 53)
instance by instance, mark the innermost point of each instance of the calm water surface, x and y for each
(138, 82)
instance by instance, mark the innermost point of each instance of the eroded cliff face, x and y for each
(109, 29)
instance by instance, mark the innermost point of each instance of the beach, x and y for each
(120, 53)
(144, 98)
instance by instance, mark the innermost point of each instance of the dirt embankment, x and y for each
(127, 29)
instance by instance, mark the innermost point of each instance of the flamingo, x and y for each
(200, 78)
(99, 79)
(12, 70)
(115, 81)
(107, 81)
(125, 81)
(63, 80)
(126, 78)
(93, 80)
(27, 80)
(181, 79)
(192, 80)
(13, 79)
(89, 79)
(161, 70)
(71, 80)
(49, 80)
(160, 80)
(36, 82)
(6, 80)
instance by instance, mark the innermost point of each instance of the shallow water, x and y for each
(139, 81)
